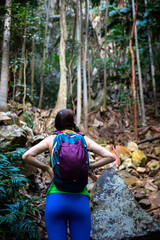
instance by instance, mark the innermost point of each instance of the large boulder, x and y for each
(11, 135)
(116, 215)
(9, 118)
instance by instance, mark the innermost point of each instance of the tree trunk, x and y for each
(5, 58)
(79, 88)
(62, 93)
(44, 59)
(25, 83)
(85, 98)
(139, 72)
(14, 76)
(133, 74)
(105, 55)
(19, 87)
(152, 68)
(89, 79)
(70, 64)
(32, 68)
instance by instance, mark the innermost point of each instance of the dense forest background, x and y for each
(100, 58)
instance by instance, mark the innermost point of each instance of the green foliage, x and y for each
(27, 115)
(16, 219)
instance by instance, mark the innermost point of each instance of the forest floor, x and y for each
(113, 130)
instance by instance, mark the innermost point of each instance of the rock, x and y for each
(140, 183)
(35, 139)
(4, 117)
(144, 203)
(11, 135)
(151, 186)
(123, 152)
(140, 195)
(155, 199)
(153, 165)
(138, 158)
(116, 214)
(125, 165)
(10, 118)
(141, 170)
(157, 150)
(131, 146)
(90, 186)
(121, 167)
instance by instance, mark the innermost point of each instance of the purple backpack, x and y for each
(70, 162)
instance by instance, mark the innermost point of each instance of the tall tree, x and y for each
(133, 72)
(44, 57)
(71, 62)
(24, 82)
(79, 80)
(105, 55)
(62, 93)
(139, 72)
(32, 67)
(5, 58)
(21, 69)
(85, 97)
(152, 67)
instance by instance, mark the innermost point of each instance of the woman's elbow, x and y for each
(25, 156)
(113, 158)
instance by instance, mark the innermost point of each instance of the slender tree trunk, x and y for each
(79, 87)
(89, 82)
(139, 72)
(14, 77)
(133, 74)
(19, 87)
(85, 98)
(25, 83)
(105, 55)
(62, 93)
(70, 65)
(32, 68)
(44, 59)
(152, 68)
(5, 58)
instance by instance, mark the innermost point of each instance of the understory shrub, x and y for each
(17, 211)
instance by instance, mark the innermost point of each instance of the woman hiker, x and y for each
(61, 206)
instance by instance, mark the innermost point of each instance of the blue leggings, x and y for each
(74, 208)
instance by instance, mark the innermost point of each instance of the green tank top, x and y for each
(53, 189)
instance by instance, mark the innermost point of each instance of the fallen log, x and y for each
(148, 140)
(152, 209)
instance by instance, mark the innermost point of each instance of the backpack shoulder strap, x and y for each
(82, 134)
(56, 133)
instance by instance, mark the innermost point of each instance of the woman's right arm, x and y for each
(30, 156)
(107, 156)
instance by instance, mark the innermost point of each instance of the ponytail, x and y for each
(75, 128)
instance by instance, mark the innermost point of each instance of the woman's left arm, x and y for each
(30, 156)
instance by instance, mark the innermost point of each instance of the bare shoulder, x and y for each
(45, 144)
(90, 142)
(49, 139)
